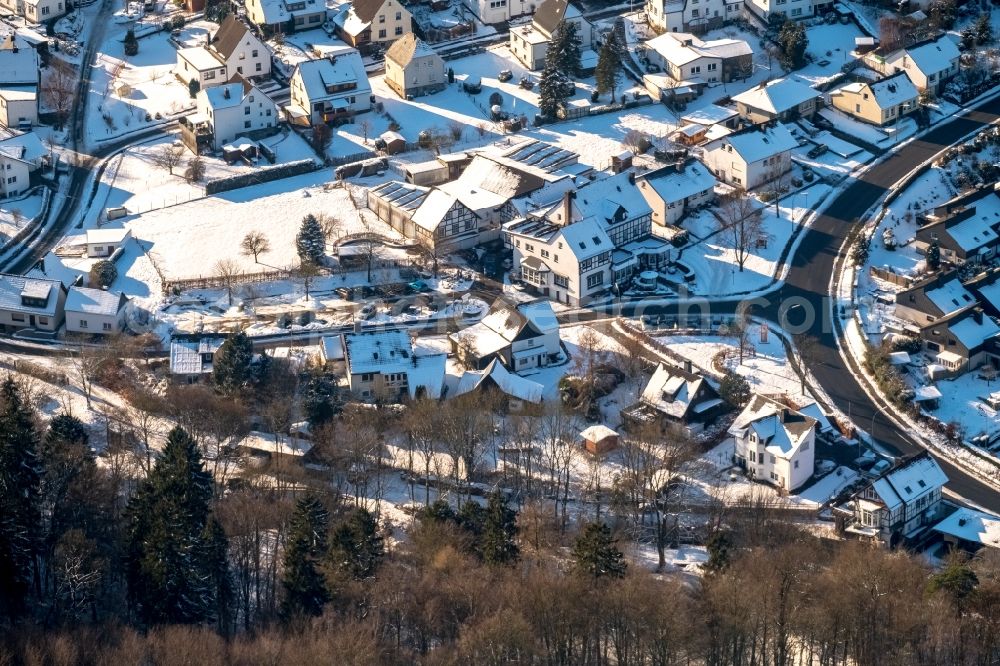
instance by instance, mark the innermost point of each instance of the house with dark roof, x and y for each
(530, 41)
(966, 228)
(963, 340)
(775, 443)
(369, 24)
(413, 68)
(31, 303)
(785, 99)
(896, 507)
(233, 50)
(938, 296)
(522, 335)
(676, 396)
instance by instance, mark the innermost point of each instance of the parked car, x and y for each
(652, 68)
(818, 150)
(367, 311)
(526, 83)
(472, 85)
(505, 75)
(880, 468)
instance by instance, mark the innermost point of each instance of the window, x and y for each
(239, 69)
(246, 124)
(106, 326)
(797, 11)
(209, 76)
(560, 281)
(796, 464)
(366, 377)
(45, 11)
(399, 31)
(595, 280)
(545, 254)
(44, 321)
(381, 33)
(83, 323)
(773, 460)
(694, 13)
(12, 179)
(381, 18)
(243, 56)
(246, 110)
(399, 16)
(253, 54)
(528, 247)
(712, 66)
(257, 67)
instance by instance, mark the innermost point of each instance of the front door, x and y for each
(31, 320)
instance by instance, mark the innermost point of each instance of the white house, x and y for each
(19, 76)
(929, 64)
(233, 50)
(529, 42)
(95, 311)
(35, 11)
(329, 89)
(752, 157)
(413, 68)
(522, 335)
(673, 190)
(500, 11)
(30, 303)
(387, 365)
(193, 357)
(365, 24)
(793, 9)
(497, 377)
(900, 504)
(20, 156)
(775, 443)
(691, 15)
(230, 110)
(286, 15)
(785, 100)
(104, 242)
(685, 57)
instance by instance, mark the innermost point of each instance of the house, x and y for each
(497, 12)
(21, 156)
(963, 340)
(879, 103)
(599, 439)
(751, 157)
(897, 506)
(19, 83)
(95, 311)
(232, 51)
(793, 9)
(522, 335)
(970, 530)
(35, 11)
(369, 24)
(939, 296)
(775, 443)
(529, 42)
(587, 241)
(929, 64)
(192, 357)
(520, 391)
(676, 396)
(674, 190)
(439, 221)
(412, 68)
(238, 108)
(385, 365)
(104, 242)
(696, 16)
(329, 89)
(30, 303)
(966, 228)
(784, 100)
(285, 15)
(684, 57)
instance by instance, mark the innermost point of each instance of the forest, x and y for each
(133, 555)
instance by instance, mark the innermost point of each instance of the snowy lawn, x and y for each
(830, 44)
(17, 213)
(821, 491)
(962, 402)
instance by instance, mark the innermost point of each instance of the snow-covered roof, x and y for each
(332, 348)
(972, 526)
(894, 90)
(596, 433)
(610, 200)
(507, 322)
(277, 11)
(926, 393)
(782, 429)
(18, 66)
(680, 48)
(433, 209)
(675, 183)
(107, 235)
(12, 287)
(491, 181)
(709, 115)
(186, 355)
(345, 67)
(25, 93)
(392, 352)
(201, 58)
(935, 56)
(94, 301)
(586, 238)
(812, 409)
(905, 483)
(408, 47)
(674, 392)
(496, 374)
(541, 155)
(950, 296)
(777, 96)
(25, 146)
(974, 329)
(289, 446)
(756, 144)
(899, 358)
(979, 228)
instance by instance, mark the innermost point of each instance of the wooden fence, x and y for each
(891, 276)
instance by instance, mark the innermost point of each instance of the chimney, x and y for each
(631, 177)
(977, 315)
(225, 92)
(687, 366)
(567, 208)
(357, 326)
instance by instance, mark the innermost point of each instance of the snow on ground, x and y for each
(830, 45)
(829, 486)
(962, 402)
(885, 137)
(19, 212)
(714, 261)
(123, 90)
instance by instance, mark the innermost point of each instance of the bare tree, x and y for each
(365, 126)
(741, 223)
(557, 430)
(307, 272)
(255, 243)
(59, 89)
(168, 157)
(738, 328)
(195, 171)
(227, 271)
(807, 347)
(636, 141)
(890, 31)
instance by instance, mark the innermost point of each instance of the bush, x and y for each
(131, 43)
(907, 344)
(768, 196)
(103, 274)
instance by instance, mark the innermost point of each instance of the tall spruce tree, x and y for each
(595, 553)
(609, 66)
(567, 48)
(562, 62)
(793, 42)
(356, 547)
(20, 474)
(170, 578)
(499, 538)
(933, 255)
(305, 589)
(231, 369)
(310, 243)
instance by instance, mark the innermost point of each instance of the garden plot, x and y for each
(963, 401)
(124, 90)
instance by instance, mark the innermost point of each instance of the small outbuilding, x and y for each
(104, 242)
(599, 439)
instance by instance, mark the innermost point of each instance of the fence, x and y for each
(258, 176)
(891, 276)
(218, 281)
